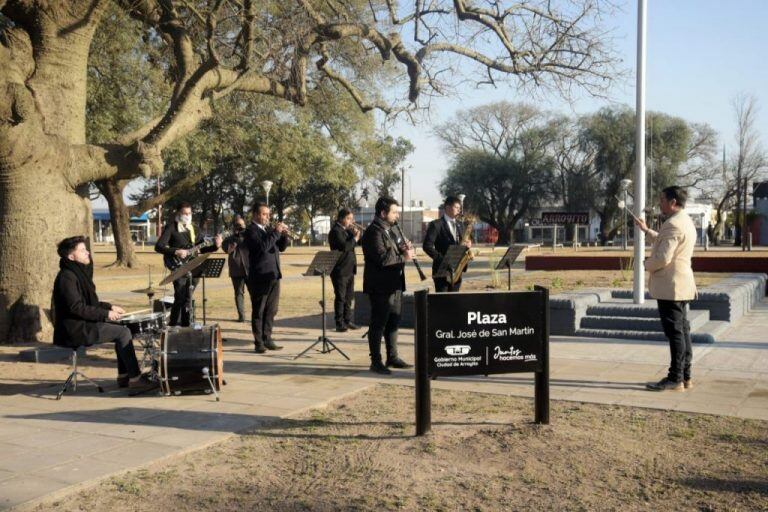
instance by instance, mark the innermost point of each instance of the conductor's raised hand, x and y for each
(642, 225)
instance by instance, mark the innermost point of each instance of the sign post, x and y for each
(481, 334)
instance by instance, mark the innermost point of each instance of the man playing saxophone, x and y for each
(441, 234)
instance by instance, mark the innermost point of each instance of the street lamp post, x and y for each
(267, 187)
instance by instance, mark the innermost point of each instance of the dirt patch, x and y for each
(483, 454)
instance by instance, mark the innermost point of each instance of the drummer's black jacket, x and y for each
(172, 240)
(76, 308)
(264, 247)
(384, 265)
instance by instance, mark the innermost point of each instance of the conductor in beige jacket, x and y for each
(671, 283)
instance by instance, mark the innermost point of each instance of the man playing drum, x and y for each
(79, 317)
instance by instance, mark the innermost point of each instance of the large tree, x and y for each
(747, 161)
(676, 150)
(287, 49)
(500, 191)
(516, 144)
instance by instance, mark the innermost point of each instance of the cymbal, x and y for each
(146, 291)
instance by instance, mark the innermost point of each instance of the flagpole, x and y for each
(638, 292)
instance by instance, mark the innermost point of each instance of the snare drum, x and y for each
(185, 353)
(146, 323)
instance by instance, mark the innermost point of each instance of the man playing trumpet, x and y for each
(265, 243)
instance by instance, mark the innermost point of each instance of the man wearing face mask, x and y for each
(178, 237)
(238, 262)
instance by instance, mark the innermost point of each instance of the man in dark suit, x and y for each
(384, 282)
(265, 243)
(238, 262)
(343, 237)
(178, 237)
(441, 234)
(79, 318)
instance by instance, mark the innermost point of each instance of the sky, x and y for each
(701, 54)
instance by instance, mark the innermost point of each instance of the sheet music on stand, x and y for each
(323, 263)
(451, 261)
(211, 267)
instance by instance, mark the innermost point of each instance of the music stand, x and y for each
(450, 264)
(211, 267)
(186, 271)
(321, 265)
(509, 258)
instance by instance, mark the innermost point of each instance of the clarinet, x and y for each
(415, 261)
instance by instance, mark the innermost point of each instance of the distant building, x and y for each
(759, 226)
(143, 230)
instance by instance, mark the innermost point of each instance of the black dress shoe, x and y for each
(398, 363)
(141, 385)
(341, 328)
(259, 349)
(352, 326)
(122, 381)
(665, 385)
(378, 367)
(271, 345)
(241, 320)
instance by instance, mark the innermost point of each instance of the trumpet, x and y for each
(357, 227)
(290, 234)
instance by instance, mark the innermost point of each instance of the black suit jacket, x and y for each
(384, 265)
(438, 239)
(264, 249)
(74, 316)
(343, 240)
(172, 239)
(238, 259)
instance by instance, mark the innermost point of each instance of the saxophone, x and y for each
(469, 226)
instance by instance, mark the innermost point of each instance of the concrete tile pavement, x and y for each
(49, 447)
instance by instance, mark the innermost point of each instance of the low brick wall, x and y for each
(699, 263)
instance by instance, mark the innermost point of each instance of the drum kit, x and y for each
(179, 359)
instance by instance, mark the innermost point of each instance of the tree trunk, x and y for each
(120, 220)
(42, 199)
(28, 259)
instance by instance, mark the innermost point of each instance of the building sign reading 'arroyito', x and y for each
(562, 218)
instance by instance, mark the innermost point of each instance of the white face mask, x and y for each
(185, 219)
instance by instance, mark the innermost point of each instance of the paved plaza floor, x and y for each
(49, 448)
